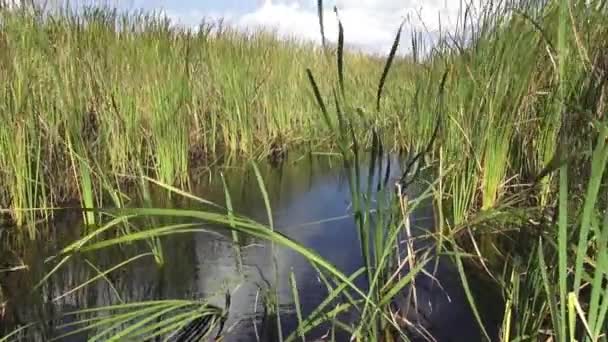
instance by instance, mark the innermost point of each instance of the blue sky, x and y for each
(369, 24)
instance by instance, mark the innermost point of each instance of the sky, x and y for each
(369, 25)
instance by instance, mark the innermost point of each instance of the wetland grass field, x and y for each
(121, 134)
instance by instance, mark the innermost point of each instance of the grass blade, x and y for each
(387, 67)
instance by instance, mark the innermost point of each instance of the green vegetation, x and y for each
(92, 96)
(524, 98)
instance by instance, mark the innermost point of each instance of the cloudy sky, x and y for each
(369, 24)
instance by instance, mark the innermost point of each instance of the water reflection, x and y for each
(311, 204)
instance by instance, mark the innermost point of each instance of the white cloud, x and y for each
(291, 19)
(368, 24)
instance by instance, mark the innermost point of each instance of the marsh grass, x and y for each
(130, 92)
(549, 296)
(137, 321)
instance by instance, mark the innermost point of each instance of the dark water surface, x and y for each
(311, 204)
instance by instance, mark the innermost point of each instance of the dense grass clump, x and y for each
(93, 95)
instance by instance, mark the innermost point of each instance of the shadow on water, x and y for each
(311, 204)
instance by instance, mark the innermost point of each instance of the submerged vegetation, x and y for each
(508, 114)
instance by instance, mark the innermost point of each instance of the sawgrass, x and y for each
(131, 94)
(128, 92)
